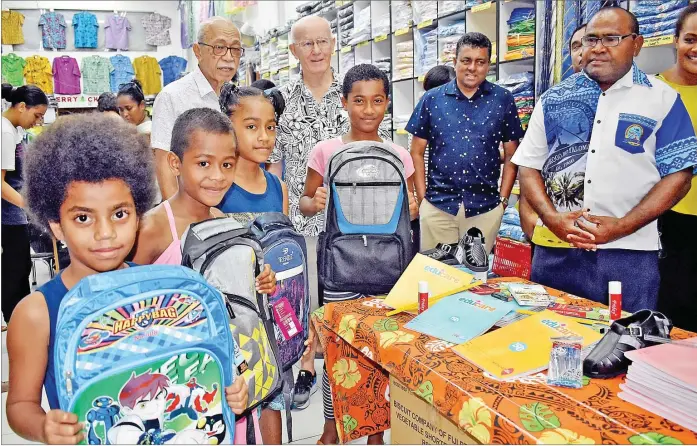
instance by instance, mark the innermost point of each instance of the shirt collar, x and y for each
(300, 86)
(452, 89)
(204, 87)
(633, 77)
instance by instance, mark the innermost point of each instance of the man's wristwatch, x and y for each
(504, 201)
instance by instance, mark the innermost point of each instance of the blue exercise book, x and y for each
(461, 317)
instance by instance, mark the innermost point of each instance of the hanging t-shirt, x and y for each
(148, 72)
(172, 67)
(38, 71)
(96, 71)
(117, 28)
(86, 28)
(12, 22)
(66, 75)
(53, 30)
(157, 29)
(123, 71)
(13, 69)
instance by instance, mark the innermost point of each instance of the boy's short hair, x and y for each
(204, 119)
(364, 72)
(437, 76)
(92, 148)
(107, 102)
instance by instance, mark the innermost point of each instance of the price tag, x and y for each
(401, 132)
(294, 65)
(266, 75)
(658, 41)
(346, 49)
(339, 3)
(401, 31)
(363, 44)
(422, 78)
(425, 24)
(380, 38)
(274, 39)
(482, 7)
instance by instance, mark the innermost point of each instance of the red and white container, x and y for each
(615, 289)
(423, 296)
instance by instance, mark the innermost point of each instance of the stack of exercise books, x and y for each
(663, 379)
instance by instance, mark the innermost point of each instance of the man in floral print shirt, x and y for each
(313, 113)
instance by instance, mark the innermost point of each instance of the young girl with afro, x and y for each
(90, 190)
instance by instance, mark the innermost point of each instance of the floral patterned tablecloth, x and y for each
(363, 347)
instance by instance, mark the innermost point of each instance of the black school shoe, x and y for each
(475, 257)
(607, 359)
(443, 252)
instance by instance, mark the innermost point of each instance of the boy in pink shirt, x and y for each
(365, 98)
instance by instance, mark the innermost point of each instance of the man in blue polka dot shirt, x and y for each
(464, 122)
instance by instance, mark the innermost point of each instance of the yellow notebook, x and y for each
(443, 280)
(523, 347)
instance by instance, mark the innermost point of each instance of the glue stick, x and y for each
(615, 289)
(423, 296)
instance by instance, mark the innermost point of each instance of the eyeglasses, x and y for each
(606, 41)
(308, 45)
(221, 50)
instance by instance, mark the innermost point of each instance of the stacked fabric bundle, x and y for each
(473, 3)
(384, 64)
(521, 86)
(657, 18)
(361, 27)
(405, 60)
(510, 225)
(381, 26)
(346, 24)
(427, 51)
(348, 60)
(448, 35)
(402, 14)
(521, 34)
(449, 7)
(425, 10)
(282, 54)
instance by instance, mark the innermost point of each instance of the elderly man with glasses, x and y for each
(313, 113)
(607, 151)
(218, 52)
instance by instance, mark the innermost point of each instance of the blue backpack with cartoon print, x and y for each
(143, 356)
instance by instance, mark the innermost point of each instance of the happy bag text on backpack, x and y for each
(367, 242)
(143, 356)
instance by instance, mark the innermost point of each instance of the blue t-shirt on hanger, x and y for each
(172, 67)
(123, 71)
(86, 28)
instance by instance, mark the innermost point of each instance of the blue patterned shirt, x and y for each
(604, 151)
(123, 71)
(86, 28)
(172, 67)
(464, 134)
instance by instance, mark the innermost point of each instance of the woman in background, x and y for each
(677, 296)
(28, 104)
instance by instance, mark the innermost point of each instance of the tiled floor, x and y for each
(307, 424)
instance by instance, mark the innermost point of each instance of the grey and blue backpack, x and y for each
(143, 356)
(367, 241)
(230, 255)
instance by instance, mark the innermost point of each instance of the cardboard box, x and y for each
(415, 421)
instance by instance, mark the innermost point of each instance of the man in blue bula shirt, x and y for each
(464, 122)
(607, 151)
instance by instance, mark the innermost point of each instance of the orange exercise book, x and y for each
(522, 348)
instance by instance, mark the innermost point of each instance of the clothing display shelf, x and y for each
(406, 39)
(658, 52)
